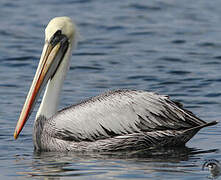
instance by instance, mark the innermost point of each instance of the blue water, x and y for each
(170, 47)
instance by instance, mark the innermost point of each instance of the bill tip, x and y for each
(15, 135)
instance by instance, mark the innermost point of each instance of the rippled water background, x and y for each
(171, 47)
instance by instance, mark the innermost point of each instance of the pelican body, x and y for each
(113, 121)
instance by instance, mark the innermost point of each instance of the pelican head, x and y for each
(60, 38)
(62, 25)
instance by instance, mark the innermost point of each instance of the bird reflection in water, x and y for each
(55, 165)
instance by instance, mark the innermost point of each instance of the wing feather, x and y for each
(118, 113)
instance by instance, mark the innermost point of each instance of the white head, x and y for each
(66, 26)
(60, 39)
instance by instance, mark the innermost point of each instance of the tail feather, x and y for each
(204, 125)
(189, 133)
(211, 123)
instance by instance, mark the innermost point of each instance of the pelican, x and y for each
(114, 121)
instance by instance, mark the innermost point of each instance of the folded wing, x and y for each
(119, 113)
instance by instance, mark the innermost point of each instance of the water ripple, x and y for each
(86, 68)
(142, 7)
(178, 41)
(23, 58)
(172, 59)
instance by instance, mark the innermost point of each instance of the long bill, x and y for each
(52, 56)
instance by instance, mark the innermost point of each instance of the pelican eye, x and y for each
(58, 37)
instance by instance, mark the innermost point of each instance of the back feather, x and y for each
(118, 113)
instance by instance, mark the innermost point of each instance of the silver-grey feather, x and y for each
(117, 120)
